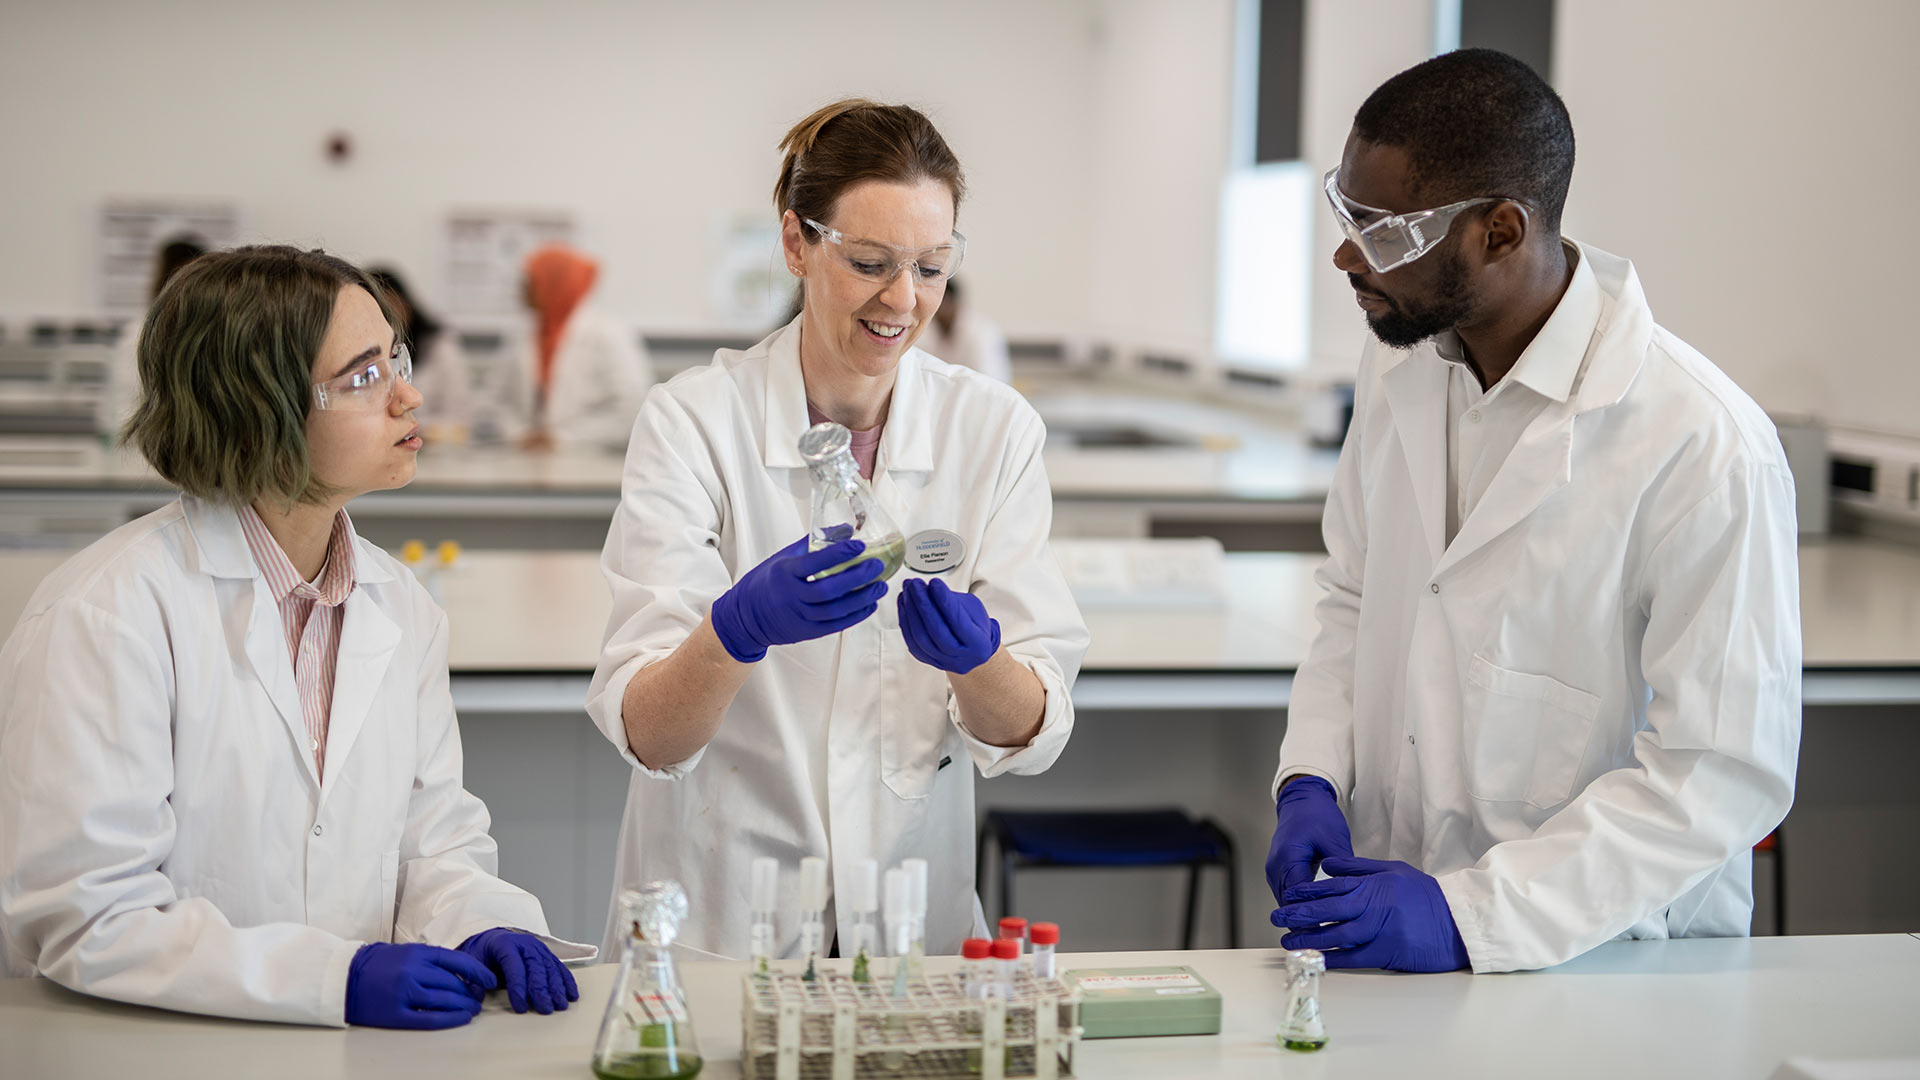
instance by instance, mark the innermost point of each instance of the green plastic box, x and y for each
(1124, 1002)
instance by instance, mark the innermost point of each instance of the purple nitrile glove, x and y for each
(529, 970)
(775, 604)
(414, 986)
(1308, 827)
(945, 629)
(1383, 915)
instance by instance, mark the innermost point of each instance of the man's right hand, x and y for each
(1308, 828)
(776, 604)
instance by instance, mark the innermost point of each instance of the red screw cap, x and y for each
(1046, 933)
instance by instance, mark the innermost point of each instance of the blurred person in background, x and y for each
(123, 373)
(588, 370)
(440, 369)
(961, 335)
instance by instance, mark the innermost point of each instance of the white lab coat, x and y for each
(1582, 714)
(975, 343)
(843, 747)
(163, 839)
(601, 373)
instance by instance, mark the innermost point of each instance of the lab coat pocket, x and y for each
(389, 891)
(1524, 734)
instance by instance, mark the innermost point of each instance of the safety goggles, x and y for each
(368, 386)
(1387, 240)
(879, 263)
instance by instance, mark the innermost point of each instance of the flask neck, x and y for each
(835, 472)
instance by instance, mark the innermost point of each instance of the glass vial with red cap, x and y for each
(1006, 962)
(1045, 937)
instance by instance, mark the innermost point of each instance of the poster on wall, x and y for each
(132, 232)
(750, 289)
(485, 250)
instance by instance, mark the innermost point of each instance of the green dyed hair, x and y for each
(226, 372)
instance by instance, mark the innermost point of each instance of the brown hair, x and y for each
(226, 371)
(855, 140)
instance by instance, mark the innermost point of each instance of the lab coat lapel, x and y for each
(266, 651)
(906, 446)
(1541, 464)
(368, 638)
(220, 551)
(1416, 390)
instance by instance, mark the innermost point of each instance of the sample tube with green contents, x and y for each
(766, 898)
(863, 901)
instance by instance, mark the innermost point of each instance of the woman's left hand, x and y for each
(945, 629)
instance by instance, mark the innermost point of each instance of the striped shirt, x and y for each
(310, 614)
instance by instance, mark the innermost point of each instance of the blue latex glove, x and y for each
(414, 986)
(1308, 827)
(775, 604)
(1384, 915)
(945, 629)
(532, 974)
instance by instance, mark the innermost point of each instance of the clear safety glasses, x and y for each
(1387, 240)
(368, 386)
(880, 263)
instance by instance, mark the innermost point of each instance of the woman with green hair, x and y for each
(230, 774)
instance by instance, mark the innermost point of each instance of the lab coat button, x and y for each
(1435, 586)
(1409, 740)
(316, 830)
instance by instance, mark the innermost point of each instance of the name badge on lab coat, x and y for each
(934, 551)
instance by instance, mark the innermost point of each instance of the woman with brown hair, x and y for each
(766, 713)
(230, 776)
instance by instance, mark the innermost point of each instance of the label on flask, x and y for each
(934, 551)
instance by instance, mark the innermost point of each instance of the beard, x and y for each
(1408, 323)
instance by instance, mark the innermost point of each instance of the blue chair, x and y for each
(1112, 838)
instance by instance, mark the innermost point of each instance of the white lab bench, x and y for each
(1729, 1007)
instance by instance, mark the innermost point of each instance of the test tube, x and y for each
(1046, 936)
(899, 927)
(863, 899)
(1006, 960)
(916, 913)
(766, 898)
(813, 905)
(976, 966)
(1014, 928)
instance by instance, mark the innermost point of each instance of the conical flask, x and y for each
(1300, 1026)
(843, 505)
(646, 1033)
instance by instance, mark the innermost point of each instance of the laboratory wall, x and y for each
(654, 123)
(1753, 158)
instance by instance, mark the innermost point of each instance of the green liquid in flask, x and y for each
(648, 1067)
(891, 551)
(1302, 1044)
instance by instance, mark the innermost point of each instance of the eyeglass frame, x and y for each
(1411, 221)
(840, 239)
(398, 366)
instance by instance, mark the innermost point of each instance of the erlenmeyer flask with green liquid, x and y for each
(843, 505)
(646, 1033)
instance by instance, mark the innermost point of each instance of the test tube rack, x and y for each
(833, 1028)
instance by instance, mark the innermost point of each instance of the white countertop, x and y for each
(1730, 1007)
(1232, 455)
(546, 611)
